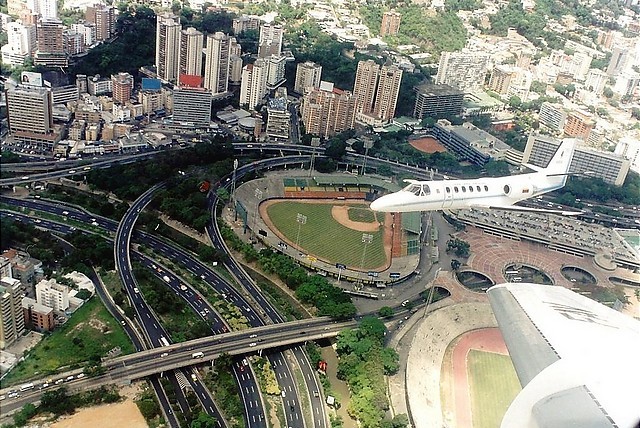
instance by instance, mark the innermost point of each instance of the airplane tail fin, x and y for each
(558, 168)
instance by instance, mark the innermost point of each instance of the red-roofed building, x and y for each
(191, 80)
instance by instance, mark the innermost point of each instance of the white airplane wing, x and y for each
(577, 360)
(526, 209)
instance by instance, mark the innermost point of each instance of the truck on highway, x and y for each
(197, 355)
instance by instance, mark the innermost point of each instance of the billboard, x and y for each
(29, 78)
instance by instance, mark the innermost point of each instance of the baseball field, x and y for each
(331, 230)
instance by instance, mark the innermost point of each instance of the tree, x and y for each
(607, 92)
(635, 113)
(455, 264)
(203, 421)
(385, 312)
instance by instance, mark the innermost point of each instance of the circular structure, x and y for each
(577, 274)
(518, 272)
(247, 123)
(605, 261)
(474, 280)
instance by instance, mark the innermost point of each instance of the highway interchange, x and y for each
(178, 359)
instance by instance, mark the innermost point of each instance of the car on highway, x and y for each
(65, 212)
(252, 344)
(135, 290)
(72, 171)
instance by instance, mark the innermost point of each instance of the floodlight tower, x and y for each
(366, 239)
(315, 142)
(300, 219)
(367, 145)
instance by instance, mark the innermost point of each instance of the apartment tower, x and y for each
(270, 42)
(390, 23)
(122, 86)
(463, 70)
(29, 110)
(364, 88)
(386, 99)
(216, 69)
(168, 47)
(104, 18)
(327, 111)
(11, 317)
(307, 76)
(253, 86)
(51, 44)
(191, 41)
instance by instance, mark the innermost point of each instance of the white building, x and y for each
(308, 74)
(87, 30)
(270, 42)
(253, 86)
(596, 81)
(21, 43)
(53, 295)
(216, 73)
(553, 116)
(464, 70)
(629, 148)
(275, 72)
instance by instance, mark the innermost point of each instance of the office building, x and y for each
(307, 76)
(21, 43)
(609, 167)
(104, 19)
(36, 316)
(11, 317)
(191, 42)
(465, 141)
(253, 86)
(192, 106)
(64, 94)
(553, 116)
(47, 9)
(168, 47)
(621, 58)
(270, 42)
(216, 72)
(29, 110)
(437, 101)
(5, 267)
(51, 49)
(327, 111)
(53, 295)
(384, 106)
(579, 125)
(390, 23)
(275, 71)
(364, 87)
(122, 87)
(626, 83)
(464, 70)
(278, 118)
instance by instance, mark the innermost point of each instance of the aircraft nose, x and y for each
(381, 204)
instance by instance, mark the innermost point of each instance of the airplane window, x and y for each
(478, 189)
(507, 189)
(448, 189)
(486, 189)
(464, 189)
(426, 189)
(416, 189)
(471, 188)
(455, 189)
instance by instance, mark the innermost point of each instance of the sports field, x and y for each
(493, 386)
(332, 231)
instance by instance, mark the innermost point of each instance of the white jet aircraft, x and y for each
(500, 192)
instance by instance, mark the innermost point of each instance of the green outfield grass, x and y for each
(324, 237)
(493, 384)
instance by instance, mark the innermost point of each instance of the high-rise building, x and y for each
(626, 83)
(47, 9)
(244, 23)
(235, 70)
(327, 111)
(364, 88)
(122, 86)
(278, 118)
(216, 70)
(275, 72)
(463, 70)
(384, 106)
(36, 316)
(620, 59)
(29, 110)
(168, 47)
(629, 148)
(307, 76)
(11, 317)
(253, 86)
(390, 23)
(501, 78)
(21, 43)
(191, 41)
(552, 116)
(104, 18)
(192, 106)
(437, 101)
(270, 42)
(51, 50)
(609, 167)
(579, 125)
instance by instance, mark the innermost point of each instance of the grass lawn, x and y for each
(324, 237)
(494, 385)
(90, 330)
